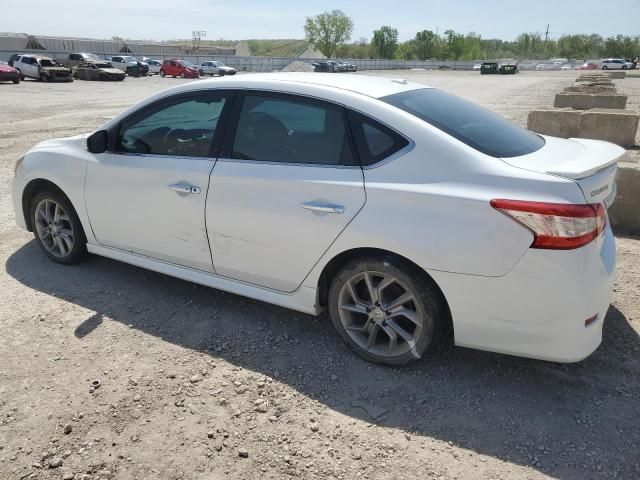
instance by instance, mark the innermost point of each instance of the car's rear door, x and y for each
(147, 193)
(285, 186)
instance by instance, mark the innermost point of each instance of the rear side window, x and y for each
(478, 127)
(374, 141)
(291, 130)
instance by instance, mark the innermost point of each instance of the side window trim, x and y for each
(234, 116)
(216, 142)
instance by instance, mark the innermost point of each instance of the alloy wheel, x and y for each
(54, 228)
(380, 314)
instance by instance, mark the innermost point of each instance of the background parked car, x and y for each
(509, 67)
(325, 66)
(8, 73)
(616, 64)
(99, 70)
(346, 66)
(75, 59)
(13, 58)
(488, 68)
(154, 65)
(42, 68)
(215, 68)
(178, 68)
(130, 65)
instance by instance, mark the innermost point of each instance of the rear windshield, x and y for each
(478, 127)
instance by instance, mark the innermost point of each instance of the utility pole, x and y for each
(546, 37)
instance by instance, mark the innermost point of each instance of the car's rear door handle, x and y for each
(183, 188)
(322, 207)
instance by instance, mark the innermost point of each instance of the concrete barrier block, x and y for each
(586, 101)
(616, 126)
(624, 214)
(591, 87)
(563, 123)
(619, 74)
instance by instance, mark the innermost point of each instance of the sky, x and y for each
(246, 19)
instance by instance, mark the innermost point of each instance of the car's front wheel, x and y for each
(604, 67)
(57, 228)
(386, 310)
(183, 75)
(162, 73)
(201, 72)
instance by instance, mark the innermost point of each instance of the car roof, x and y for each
(368, 85)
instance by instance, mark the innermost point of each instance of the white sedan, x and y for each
(408, 213)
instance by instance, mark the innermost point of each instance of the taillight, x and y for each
(557, 226)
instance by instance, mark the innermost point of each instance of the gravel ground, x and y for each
(197, 383)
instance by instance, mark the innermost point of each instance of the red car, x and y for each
(8, 74)
(589, 66)
(178, 68)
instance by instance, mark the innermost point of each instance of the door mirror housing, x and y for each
(97, 142)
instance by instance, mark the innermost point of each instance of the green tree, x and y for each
(328, 30)
(426, 42)
(455, 44)
(385, 41)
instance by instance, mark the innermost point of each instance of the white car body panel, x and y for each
(616, 64)
(248, 199)
(429, 202)
(122, 189)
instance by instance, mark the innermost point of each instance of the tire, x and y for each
(604, 67)
(201, 72)
(44, 78)
(20, 74)
(624, 67)
(162, 74)
(221, 73)
(16, 81)
(417, 324)
(68, 221)
(182, 75)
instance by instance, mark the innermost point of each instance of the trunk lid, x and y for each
(592, 164)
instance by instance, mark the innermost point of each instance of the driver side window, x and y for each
(177, 127)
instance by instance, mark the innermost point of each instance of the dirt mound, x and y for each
(298, 66)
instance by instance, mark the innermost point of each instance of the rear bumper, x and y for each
(539, 308)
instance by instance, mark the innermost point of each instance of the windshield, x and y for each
(478, 127)
(130, 59)
(92, 56)
(48, 63)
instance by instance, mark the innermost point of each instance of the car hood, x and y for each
(56, 69)
(61, 142)
(112, 71)
(7, 68)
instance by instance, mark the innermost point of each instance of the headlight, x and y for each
(15, 169)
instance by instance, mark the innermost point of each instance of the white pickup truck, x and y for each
(215, 68)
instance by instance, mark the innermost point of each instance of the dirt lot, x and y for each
(201, 384)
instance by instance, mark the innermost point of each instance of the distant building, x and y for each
(17, 42)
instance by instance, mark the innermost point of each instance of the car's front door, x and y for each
(285, 186)
(147, 193)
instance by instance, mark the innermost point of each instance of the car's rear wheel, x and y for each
(201, 72)
(57, 228)
(221, 73)
(624, 67)
(386, 310)
(182, 75)
(20, 74)
(604, 67)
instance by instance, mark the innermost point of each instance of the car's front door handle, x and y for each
(322, 207)
(183, 188)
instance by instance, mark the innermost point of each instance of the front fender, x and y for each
(62, 162)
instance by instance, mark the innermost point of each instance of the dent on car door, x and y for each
(286, 184)
(147, 193)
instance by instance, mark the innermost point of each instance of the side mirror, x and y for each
(97, 142)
